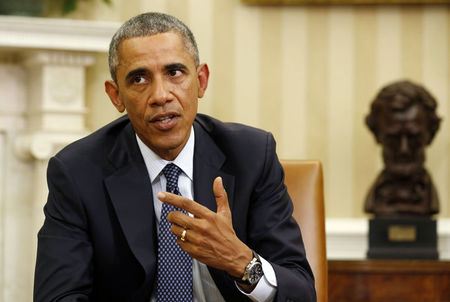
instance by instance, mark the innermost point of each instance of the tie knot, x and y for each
(171, 172)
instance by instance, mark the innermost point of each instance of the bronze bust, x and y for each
(403, 120)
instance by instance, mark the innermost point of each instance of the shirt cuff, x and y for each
(266, 288)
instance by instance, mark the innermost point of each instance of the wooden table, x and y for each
(389, 281)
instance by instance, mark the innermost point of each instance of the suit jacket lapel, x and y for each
(131, 195)
(209, 162)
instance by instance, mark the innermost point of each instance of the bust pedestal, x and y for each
(402, 238)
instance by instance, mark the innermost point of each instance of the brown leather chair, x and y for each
(304, 181)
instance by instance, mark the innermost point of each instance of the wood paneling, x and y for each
(389, 281)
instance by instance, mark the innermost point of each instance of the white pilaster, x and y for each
(56, 105)
(42, 99)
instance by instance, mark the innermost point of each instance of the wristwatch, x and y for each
(253, 271)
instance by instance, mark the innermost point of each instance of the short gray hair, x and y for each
(149, 24)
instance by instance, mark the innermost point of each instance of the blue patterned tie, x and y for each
(174, 265)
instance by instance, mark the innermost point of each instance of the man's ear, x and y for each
(202, 77)
(112, 90)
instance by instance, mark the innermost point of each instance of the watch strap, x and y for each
(245, 278)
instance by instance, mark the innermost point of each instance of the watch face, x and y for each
(255, 274)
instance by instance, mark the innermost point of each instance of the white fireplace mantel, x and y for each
(43, 65)
(55, 34)
(55, 53)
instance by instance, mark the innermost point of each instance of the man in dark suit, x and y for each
(103, 236)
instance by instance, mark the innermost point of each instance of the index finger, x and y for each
(184, 203)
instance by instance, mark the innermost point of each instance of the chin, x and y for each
(404, 170)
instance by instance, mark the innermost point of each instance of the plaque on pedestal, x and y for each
(402, 238)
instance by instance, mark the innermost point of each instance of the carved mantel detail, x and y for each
(56, 106)
(42, 71)
(54, 54)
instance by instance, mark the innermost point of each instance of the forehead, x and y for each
(162, 46)
(413, 119)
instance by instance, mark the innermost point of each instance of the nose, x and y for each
(404, 144)
(160, 93)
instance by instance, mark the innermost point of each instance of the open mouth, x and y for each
(165, 119)
(165, 122)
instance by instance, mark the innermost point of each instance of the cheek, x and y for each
(419, 154)
(191, 109)
(136, 103)
(188, 98)
(388, 151)
(188, 89)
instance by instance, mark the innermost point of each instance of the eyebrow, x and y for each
(135, 72)
(139, 71)
(175, 66)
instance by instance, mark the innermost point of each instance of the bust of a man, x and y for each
(403, 120)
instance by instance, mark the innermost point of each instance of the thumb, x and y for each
(221, 197)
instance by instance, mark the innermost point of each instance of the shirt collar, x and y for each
(155, 164)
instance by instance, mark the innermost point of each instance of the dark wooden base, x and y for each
(389, 281)
(402, 238)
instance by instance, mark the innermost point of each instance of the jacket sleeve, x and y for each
(64, 255)
(276, 236)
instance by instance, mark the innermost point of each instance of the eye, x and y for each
(139, 79)
(416, 140)
(175, 72)
(392, 139)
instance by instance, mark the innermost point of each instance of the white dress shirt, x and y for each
(204, 288)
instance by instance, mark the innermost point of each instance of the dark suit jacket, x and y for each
(98, 241)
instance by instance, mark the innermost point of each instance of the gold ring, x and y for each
(183, 235)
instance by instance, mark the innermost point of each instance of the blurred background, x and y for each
(306, 73)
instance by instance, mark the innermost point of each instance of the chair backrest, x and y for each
(304, 181)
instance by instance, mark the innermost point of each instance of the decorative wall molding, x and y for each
(56, 105)
(59, 34)
(43, 72)
(41, 146)
(55, 53)
(347, 238)
(32, 58)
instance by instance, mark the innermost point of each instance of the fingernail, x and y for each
(161, 195)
